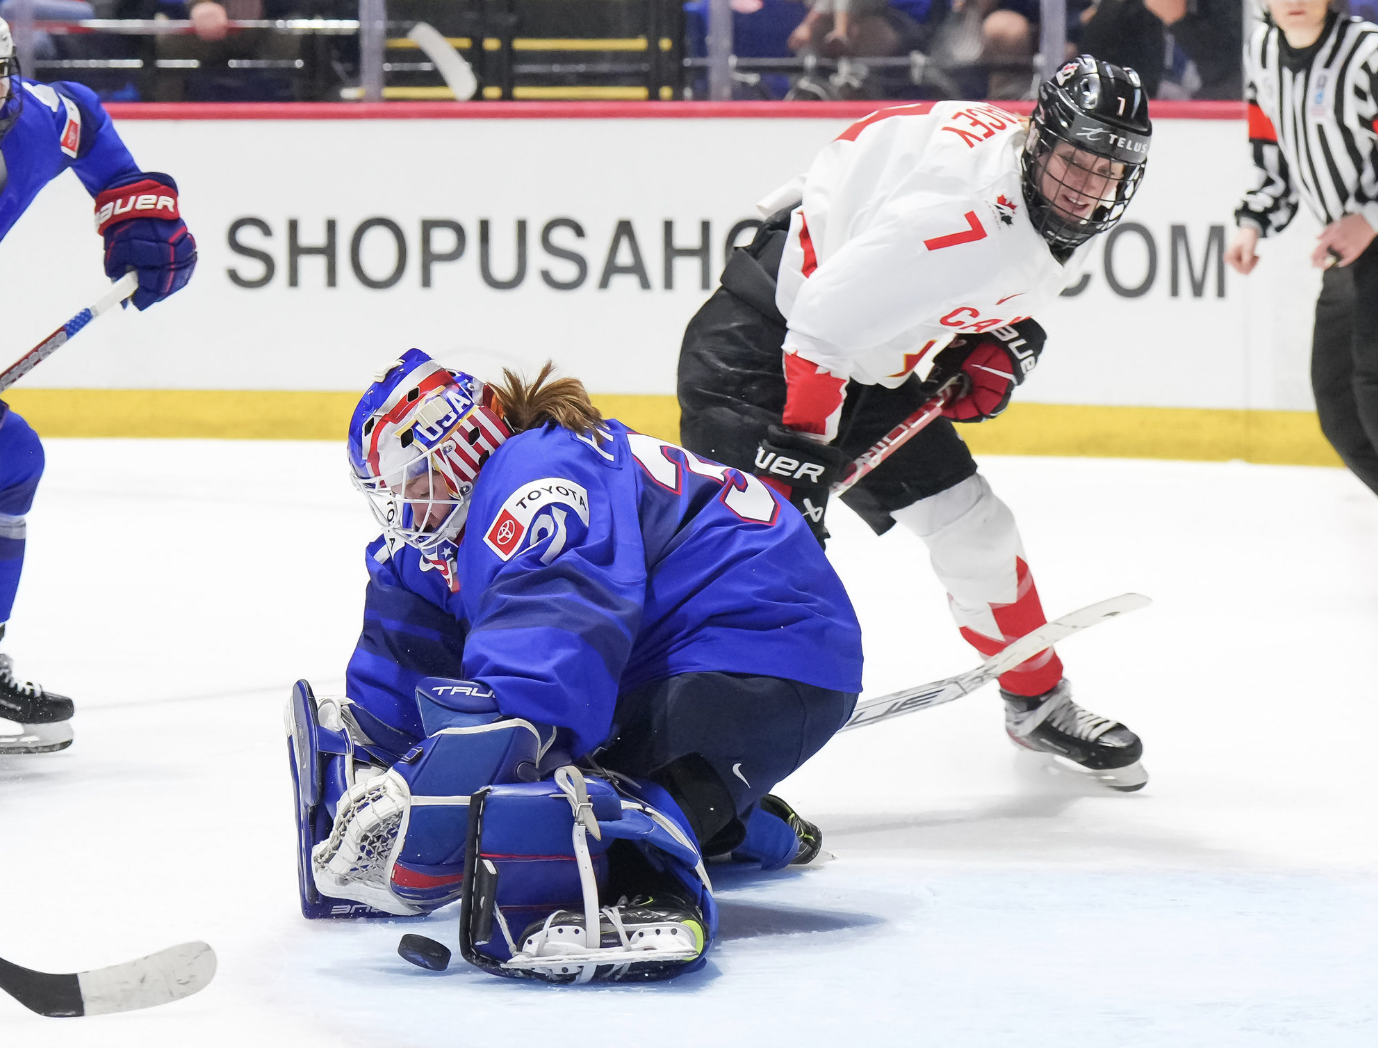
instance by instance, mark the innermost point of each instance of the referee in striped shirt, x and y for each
(1312, 102)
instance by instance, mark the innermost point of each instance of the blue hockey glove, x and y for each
(138, 216)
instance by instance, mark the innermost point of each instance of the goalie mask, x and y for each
(417, 440)
(11, 98)
(1086, 150)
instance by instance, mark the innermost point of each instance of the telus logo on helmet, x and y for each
(1097, 134)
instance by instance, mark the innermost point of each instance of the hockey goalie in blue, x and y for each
(587, 657)
(46, 129)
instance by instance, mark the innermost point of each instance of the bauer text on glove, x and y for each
(988, 367)
(141, 221)
(802, 469)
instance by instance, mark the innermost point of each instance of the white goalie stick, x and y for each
(114, 295)
(883, 707)
(168, 975)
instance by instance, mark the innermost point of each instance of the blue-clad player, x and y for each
(46, 129)
(611, 646)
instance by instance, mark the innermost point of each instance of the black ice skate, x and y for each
(1052, 723)
(810, 836)
(42, 717)
(642, 939)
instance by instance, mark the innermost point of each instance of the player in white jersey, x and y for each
(921, 242)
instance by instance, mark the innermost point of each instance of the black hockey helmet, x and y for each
(1086, 150)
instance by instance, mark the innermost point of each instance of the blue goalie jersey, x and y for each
(59, 126)
(590, 566)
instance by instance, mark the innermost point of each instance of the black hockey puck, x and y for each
(424, 952)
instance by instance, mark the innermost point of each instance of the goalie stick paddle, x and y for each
(168, 975)
(883, 707)
(117, 293)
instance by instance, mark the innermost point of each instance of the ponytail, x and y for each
(527, 405)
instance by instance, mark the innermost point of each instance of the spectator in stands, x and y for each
(867, 28)
(760, 29)
(46, 45)
(213, 44)
(1140, 33)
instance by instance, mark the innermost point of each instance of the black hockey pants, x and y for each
(1344, 363)
(732, 387)
(719, 742)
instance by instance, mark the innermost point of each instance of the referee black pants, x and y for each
(1344, 363)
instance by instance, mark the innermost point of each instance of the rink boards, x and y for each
(500, 236)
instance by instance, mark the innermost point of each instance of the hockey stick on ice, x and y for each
(884, 707)
(168, 975)
(892, 441)
(117, 293)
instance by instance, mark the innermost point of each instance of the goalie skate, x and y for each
(641, 939)
(40, 718)
(1098, 747)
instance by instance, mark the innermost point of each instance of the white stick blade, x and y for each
(168, 975)
(883, 707)
(449, 63)
(1049, 634)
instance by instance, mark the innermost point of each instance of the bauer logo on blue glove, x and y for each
(138, 216)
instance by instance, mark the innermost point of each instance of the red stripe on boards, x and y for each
(190, 111)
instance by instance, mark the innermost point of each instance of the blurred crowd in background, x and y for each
(783, 49)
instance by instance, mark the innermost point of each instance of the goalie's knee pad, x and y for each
(541, 859)
(397, 839)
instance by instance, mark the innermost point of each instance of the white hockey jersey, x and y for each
(912, 230)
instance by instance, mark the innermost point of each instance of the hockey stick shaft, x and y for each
(1026, 647)
(891, 442)
(117, 293)
(449, 63)
(168, 975)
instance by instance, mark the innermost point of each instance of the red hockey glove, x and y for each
(988, 367)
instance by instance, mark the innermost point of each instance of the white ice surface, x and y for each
(176, 589)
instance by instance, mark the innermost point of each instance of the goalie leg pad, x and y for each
(320, 759)
(397, 842)
(538, 857)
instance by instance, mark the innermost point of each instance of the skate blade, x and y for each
(37, 738)
(1128, 779)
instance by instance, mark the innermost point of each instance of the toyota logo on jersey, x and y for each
(518, 516)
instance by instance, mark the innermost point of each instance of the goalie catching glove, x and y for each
(802, 469)
(987, 367)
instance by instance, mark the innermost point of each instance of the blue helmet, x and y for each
(417, 440)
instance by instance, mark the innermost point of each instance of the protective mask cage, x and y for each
(1073, 170)
(423, 460)
(422, 503)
